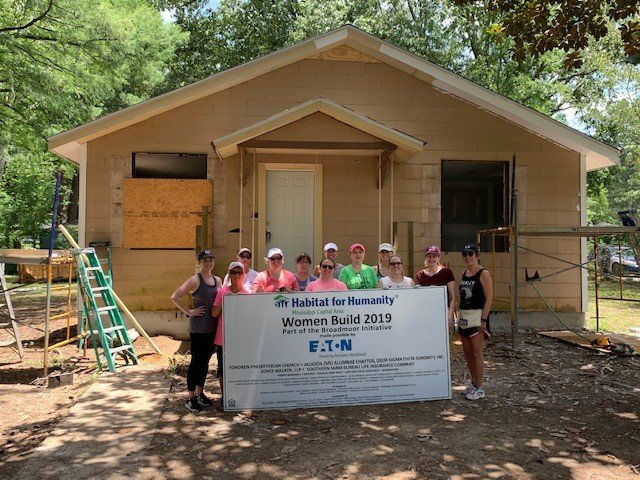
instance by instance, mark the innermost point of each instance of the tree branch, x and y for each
(31, 22)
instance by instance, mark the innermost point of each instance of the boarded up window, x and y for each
(474, 197)
(170, 165)
(161, 213)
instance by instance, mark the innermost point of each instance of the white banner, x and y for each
(303, 349)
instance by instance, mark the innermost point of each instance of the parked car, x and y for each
(621, 262)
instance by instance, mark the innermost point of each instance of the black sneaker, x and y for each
(193, 405)
(204, 401)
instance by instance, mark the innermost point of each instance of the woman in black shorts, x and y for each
(476, 295)
(203, 288)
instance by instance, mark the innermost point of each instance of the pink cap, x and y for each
(356, 245)
(432, 249)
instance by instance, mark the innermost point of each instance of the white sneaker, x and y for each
(470, 388)
(477, 394)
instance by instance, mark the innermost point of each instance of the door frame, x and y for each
(316, 168)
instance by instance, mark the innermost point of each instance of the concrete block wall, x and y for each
(548, 175)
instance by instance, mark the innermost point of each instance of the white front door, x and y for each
(289, 220)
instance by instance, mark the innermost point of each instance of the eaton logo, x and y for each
(281, 301)
(330, 345)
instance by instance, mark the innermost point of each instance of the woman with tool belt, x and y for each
(476, 295)
(203, 288)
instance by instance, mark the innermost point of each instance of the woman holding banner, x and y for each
(326, 282)
(476, 296)
(435, 273)
(203, 288)
(237, 285)
(396, 278)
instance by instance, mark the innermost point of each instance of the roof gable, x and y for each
(407, 145)
(342, 43)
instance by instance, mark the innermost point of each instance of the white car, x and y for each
(621, 263)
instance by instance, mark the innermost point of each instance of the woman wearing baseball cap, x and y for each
(244, 257)
(476, 295)
(385, 250)
(275, 278)
(237, 285)
(330, 250)
(435, 273)
(357, 275)
(203, 288)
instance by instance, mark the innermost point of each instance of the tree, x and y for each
(539, 26)
(62, 63)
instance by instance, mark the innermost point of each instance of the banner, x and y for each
(320, 349)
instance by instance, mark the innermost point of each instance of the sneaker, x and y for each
(477, 394)
(204, 400)
(193, 405)
(470, 389)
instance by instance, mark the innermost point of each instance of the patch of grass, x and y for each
(615, 316)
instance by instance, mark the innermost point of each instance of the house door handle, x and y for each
(267, 236)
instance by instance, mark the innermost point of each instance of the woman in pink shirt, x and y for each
(236, 285)
(275, 278)
(326, 282)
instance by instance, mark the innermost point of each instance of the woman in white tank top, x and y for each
(396, 278)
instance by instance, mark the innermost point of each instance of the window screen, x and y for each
(170, 165)
(474, 197)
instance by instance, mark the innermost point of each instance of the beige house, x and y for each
(340, 138)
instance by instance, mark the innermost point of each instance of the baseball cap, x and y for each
(385, 247)
(330, 246)
(233, 265)
(472, 247)
(274, 251)
(244, 249)
(432, 249)
(356, 245)
(205, 254)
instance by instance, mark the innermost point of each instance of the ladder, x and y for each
(103, 318)
(17, 339)
(104, 260)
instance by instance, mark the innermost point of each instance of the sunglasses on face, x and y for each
(276, 258)
(395, 264)
(467, 254)
(235, 272)
(245, 255)
(327, 267)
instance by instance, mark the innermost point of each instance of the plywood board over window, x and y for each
(163, 213)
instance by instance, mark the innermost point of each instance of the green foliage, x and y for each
(26, 196)
(63, 63)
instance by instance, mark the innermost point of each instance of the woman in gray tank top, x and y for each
(203, 288)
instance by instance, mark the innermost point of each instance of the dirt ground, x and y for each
(553, 411)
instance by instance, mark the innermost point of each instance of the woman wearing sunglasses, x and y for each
(275, 278)
(237, 285)
(435, 273)
(326, 282)
(476, 295)
(396, 278)
(244, 257)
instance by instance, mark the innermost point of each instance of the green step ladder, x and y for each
(103, 318)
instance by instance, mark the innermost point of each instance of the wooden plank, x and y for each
(293, 144)
(552, 231)
(574, 339)
(163, 213)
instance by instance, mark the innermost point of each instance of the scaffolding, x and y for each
(512, 233)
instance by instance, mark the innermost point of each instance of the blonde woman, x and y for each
(396, 278)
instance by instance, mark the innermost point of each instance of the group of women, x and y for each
(207, 291)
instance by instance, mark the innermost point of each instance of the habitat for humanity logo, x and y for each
(281, 301)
